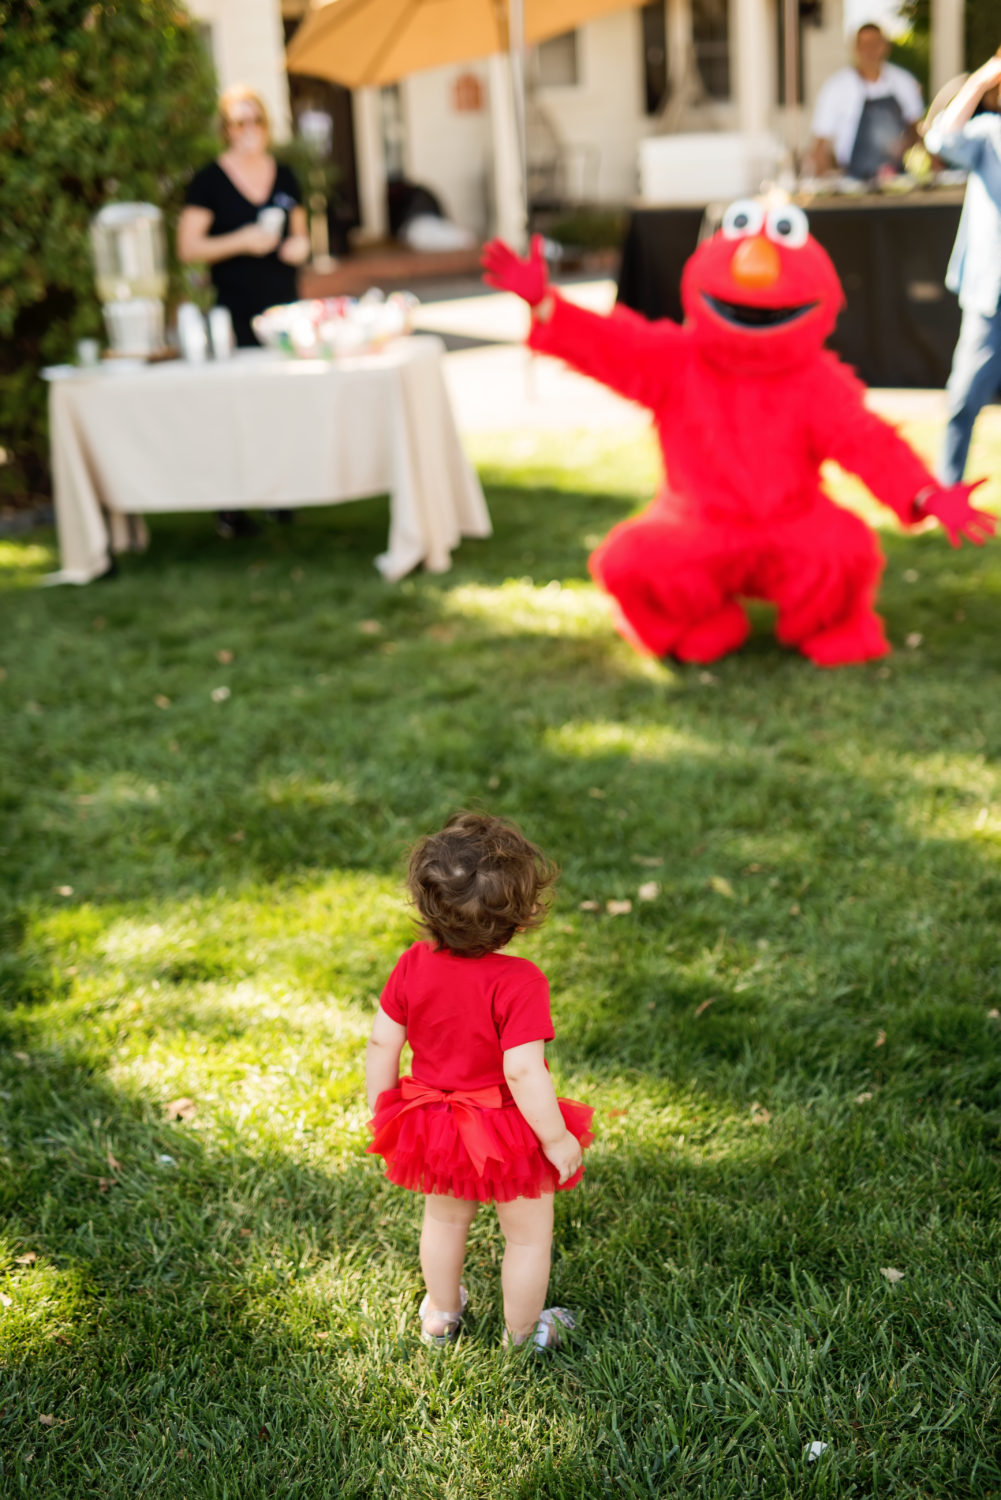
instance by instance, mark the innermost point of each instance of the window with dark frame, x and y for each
(711, 38)
(656, 85)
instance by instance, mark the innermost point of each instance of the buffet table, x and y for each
(899, 325)
(260, 430)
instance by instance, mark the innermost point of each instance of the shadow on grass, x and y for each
(244, 1316)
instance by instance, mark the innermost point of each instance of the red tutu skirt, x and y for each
(468, 1144)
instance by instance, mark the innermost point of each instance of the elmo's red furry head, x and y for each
(761, 294)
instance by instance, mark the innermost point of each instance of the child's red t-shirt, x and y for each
(463, 1014)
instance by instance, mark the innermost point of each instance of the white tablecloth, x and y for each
(261, 430)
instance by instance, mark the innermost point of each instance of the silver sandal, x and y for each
(452, 1324)
(547, 1333)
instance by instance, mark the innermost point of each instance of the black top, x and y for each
(246, 284)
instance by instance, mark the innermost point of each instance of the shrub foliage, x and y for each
(101, 102)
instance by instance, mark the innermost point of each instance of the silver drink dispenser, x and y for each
(130, 263)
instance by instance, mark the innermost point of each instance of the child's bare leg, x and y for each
(527, 1227)
(443, 1249)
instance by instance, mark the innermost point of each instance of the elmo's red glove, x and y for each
(527, 279)
(952, 509)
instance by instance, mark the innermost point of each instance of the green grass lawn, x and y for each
(791, 1039)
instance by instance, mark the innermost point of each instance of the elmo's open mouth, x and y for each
(743, 316)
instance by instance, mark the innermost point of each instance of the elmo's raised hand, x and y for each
(952, 509)
(503, 269)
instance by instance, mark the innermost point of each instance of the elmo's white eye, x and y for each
(743, 217)
(787, 226)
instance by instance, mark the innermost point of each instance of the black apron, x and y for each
(879, 138)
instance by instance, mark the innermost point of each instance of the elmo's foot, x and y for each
(715, 637)
(856, 640)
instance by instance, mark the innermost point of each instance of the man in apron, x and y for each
(865, 114)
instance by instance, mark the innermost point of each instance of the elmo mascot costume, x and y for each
(748, 405)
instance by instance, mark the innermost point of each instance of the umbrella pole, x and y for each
(516, 54)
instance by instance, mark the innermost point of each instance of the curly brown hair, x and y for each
(477, 883)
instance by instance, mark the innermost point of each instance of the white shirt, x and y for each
(842, 98)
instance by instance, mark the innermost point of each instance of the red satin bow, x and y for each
(465, 1105)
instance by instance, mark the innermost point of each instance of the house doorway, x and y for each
(312, 99)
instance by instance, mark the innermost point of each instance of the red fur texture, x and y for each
(746, 413)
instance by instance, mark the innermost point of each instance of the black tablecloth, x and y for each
(899, 326)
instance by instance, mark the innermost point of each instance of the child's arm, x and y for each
(533, 1092)
(382, 1055)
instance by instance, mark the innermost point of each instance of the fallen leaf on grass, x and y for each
(180, 1109)
(994, 1014)
(649, 890)
(220, 694)
(322, 1333)
(615, 1114)
(64, 890)
(113, 1162)
(913, 641)
(618, 908)
(814, 1451)
(891, 1274)
(721, 885)
(863, 1098)
(590, 906)
(47, 1419)
(651, 861)
(759, 1114)
(22, 1057)
(704, 1006)
(6, 1301)
(26, 1260)
(369, 627)
(161, 700)
(880, 1039)
(104, 1184)
(263, 1434)
(224, 657)
(237, 837)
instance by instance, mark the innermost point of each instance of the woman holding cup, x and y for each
(243, 218)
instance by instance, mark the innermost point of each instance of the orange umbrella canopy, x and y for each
(365, 42)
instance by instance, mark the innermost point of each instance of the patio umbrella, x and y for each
(368, 42)
(364, 43)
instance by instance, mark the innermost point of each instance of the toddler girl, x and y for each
(478, 1121)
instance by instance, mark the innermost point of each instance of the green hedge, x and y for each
(100, 102)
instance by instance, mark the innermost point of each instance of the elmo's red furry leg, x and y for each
(669, 583)
(855, 640)
(715, 637)
(823, 571)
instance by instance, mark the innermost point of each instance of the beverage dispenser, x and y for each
(130, 263)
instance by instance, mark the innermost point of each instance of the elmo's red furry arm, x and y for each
(845, 430)
(624, 351)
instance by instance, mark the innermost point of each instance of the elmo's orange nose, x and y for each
(755, 263)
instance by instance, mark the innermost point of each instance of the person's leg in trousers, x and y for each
(975, 379)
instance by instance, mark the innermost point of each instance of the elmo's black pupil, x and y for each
(741, 221)
(784, 226)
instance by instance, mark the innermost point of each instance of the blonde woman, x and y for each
(252, 264)
(252, 260)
